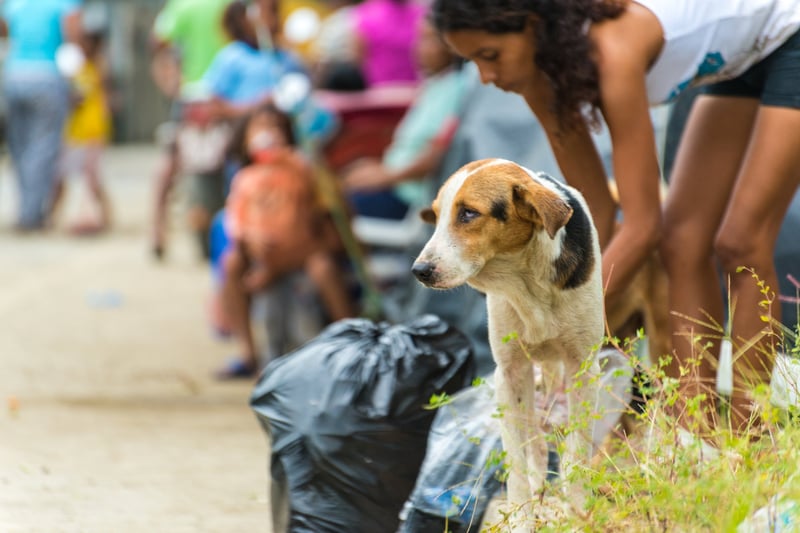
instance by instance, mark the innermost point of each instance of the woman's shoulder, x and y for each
(631, 41)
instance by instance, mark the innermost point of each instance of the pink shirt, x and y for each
(388, 29)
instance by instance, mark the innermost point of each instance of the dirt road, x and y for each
(109, 420)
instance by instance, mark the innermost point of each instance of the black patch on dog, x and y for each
(575, 264)
(500, 210)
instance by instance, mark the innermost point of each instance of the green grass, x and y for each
(646, 481)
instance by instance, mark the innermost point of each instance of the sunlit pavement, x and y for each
(109, 419)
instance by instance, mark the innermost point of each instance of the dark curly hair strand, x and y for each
(563, 49)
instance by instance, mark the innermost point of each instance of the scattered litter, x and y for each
(104, 299)
(778, 516)
(13, 405)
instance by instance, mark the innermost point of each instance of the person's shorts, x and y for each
(775, 80)
(207, 191)
(75, 159)
(167, 132)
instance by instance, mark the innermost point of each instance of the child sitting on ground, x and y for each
(276, 226)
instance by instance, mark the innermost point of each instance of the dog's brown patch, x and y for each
(499, 207)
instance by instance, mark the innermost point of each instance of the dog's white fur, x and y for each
(502, 229)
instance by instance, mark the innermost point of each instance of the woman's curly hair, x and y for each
(563, 48)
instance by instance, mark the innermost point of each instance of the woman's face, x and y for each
(505, 60)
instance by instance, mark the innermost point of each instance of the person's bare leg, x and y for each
(56, 200)
(708, 160)
(96, 188)
(165, 181)
(92, 223)
(236, 301)
(767, 182)
(323, 270)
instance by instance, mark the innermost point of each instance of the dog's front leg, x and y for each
(582, 390)
(522, 438)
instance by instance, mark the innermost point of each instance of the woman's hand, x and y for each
(626, 110)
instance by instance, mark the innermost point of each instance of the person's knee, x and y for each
(680, 244)
(233, 263)
(199, 218)
(736, 250)
(320, 266)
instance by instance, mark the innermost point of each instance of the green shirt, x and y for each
(194, 27)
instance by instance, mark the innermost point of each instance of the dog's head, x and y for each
(488, 208)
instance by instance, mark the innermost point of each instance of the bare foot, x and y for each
(87, 228)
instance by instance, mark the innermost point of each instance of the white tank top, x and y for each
(712, 40)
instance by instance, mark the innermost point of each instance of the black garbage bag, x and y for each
(462, 469)
(347, 420)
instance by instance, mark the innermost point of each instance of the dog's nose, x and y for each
(423, 271)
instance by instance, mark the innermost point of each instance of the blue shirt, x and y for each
(240, 74)
(35, 31)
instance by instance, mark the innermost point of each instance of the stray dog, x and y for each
(528, 242)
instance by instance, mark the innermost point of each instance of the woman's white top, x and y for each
(712, 40)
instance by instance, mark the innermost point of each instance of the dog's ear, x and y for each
(427, 215)
(542, 207)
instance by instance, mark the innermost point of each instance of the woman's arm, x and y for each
(222, 109)
(73, 28)
(373, 175)
(580, 164)
(626, 110)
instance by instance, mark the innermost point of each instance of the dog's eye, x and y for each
(466, 214)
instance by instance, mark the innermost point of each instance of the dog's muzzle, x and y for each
(424, 272)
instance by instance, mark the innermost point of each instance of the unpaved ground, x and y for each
(109, 421)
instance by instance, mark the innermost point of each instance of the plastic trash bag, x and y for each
(462, 468)
(346, 417)
(780, 515)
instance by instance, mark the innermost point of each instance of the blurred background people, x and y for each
(387, 188)
(333, 55)
(87, 132)
(384, 31)
(242, 75)
(189, 32)
(277, 225)
(37, 98)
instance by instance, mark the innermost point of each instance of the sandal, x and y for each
(236, 368)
